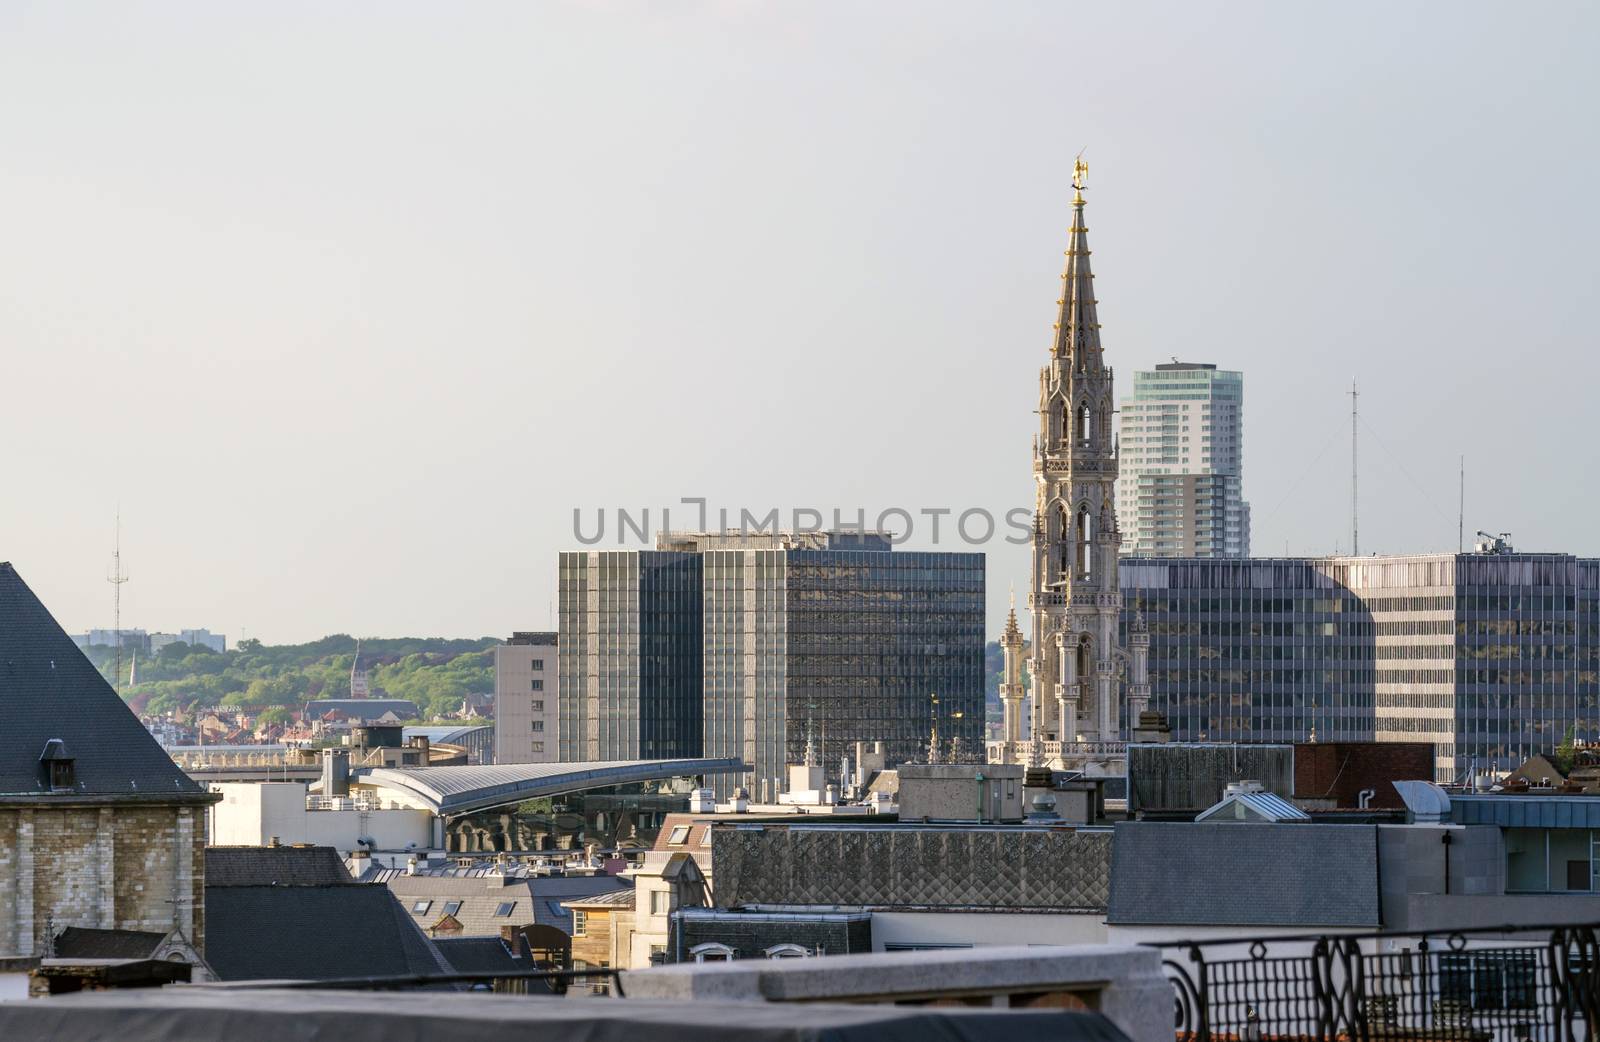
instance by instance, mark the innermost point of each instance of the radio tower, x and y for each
(116, 579)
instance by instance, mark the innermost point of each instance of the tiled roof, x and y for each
(275, 866)
(313, 933)
(76, 942)
(537, 899)
(48, 689)
(1243, 874)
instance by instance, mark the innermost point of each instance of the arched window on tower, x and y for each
(1064, 530)
(1085, 424)
(1085, 543)
(1066, 421)
(1083, 658)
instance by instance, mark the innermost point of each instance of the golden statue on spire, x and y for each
(1080, 174)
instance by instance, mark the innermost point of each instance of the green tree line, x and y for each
(436, 673)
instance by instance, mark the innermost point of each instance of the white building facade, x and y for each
(1181, 459)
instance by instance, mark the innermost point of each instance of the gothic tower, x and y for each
(1076, 602)
(1011, 687)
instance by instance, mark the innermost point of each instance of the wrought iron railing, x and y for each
(1509, 984)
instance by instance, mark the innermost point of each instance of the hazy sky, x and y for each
(349, 306)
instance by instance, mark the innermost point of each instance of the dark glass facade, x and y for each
(630, 654)
(1490, 657)
(858, 643)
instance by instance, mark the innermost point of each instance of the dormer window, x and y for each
(56, 768)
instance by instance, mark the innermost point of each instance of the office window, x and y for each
(504, 909)
(580, 923)
(452, 907)
(537, 747)
(538, 663)
(538, 684)
(536, 725)
(660, 902)
(536, 704)
(421, 907)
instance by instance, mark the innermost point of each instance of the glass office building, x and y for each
(846, 645)
(630, 646)
(731, 645)
(1491, 657)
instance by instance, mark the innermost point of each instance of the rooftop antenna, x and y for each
(1355, 536)
(116, 579)
(1461, 509)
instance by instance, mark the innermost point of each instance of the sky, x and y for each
(348, 308)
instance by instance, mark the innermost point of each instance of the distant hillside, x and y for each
(434, 672)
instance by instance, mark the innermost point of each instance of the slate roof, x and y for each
(1243, 874)
(313, 933)
(538, 899)
(275, 866)
(48, 689)
(76, 942)
(480, 955)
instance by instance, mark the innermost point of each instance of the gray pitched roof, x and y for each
(48, 689)
(275, 866)
(1243, 874)
(537, 899)
(480, 955)
(77, 942)
(313, 933)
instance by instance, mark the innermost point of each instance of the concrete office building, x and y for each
(733, 644)
(1492, 657)
(526, 699)
(1181, 437)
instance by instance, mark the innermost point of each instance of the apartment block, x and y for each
(526, 699)
(1181, 458)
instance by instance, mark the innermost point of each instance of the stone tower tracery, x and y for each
(1076, 604)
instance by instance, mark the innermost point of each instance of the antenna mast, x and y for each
(1461, 510)
(116, 579)
(1355, 536)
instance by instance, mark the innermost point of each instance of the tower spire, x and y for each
(1078, 325)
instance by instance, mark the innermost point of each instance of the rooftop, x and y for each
(1244, 874)
(275, 866)
(313, 933)
(457, 790)
(49, 690)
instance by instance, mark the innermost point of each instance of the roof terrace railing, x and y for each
(588, 981)
(1505, 984)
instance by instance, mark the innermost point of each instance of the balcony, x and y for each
(1512, 984)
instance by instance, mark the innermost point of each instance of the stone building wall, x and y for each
(119, 866)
